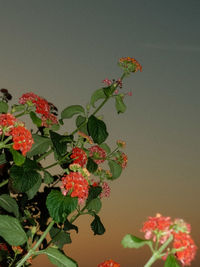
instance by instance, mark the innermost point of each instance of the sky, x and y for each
(62, 50)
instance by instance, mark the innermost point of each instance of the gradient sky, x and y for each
(62, 50)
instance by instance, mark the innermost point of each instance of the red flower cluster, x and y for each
(76, 185)
(79, 156)
(122, 159)
(41, 107)
(130, 63)
(98, 154)
(22, 139)
(105, 190)
(7, 122)
(3, 246)
(185, 246)
(109, 263)
(155, 224)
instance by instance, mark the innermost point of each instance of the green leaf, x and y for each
(171, 262)
(2, 159)
(23, 178)
(80, 120)
(115, 169)
(70, 226)
(98, 94)
(48, 178)
(105, 147)
(94, 205)
(58, 258)
(91, 165)
(108, 91)
(130, 241)
(17, 108)
(59, 237)
(97, 130)
(9, 204)
(119, 104)
(40, 145)
(58, 143)
(94, 192)
(18, 158)
(60, 206)
(97, 226)
(34, 189)
(35, 119)
(11, 231)
(70, 111)
(3, 107)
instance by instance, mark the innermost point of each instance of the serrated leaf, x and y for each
(171, 262)
(94, 205)
(12, 231)
(59, 237)
(119, 104)
(59, 145)
(130, 241)
(60, 206)
(91, 165)
(94, 192)
(40, 145)
(3, 107)
(80, 120)
(115, 169)
(48, 178)
(34, 189)
(98, 94)
(58, 258)
(69, 226)
(70, 111)
(105, 147)
(2, 159)
(97, 226)
(97, 130)
(9, 204)
(35, 119)
(18, 158)
(23, 179)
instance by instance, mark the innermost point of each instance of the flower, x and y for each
(107, 82)
(158, 224)
(130, 64)
(122, 159)
(3, 246)
(121, 143)
(79, 156)
(98, 154)
(42, 107)
(109, 263)
(22, 139)
(48, 120)
(17, 249)
(105, 190)
(185, 246)
(28, 98)
(75, 185)
(7, 122)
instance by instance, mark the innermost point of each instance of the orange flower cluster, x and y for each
(22, 139)
(130, 64)
(122, 159)
(76, 185)
(109, 263)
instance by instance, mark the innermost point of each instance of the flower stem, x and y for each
(32, 251)
(158, 254)
(3, 183)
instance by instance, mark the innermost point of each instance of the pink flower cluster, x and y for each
(98, 154)
(160, 228)
(41, 107)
